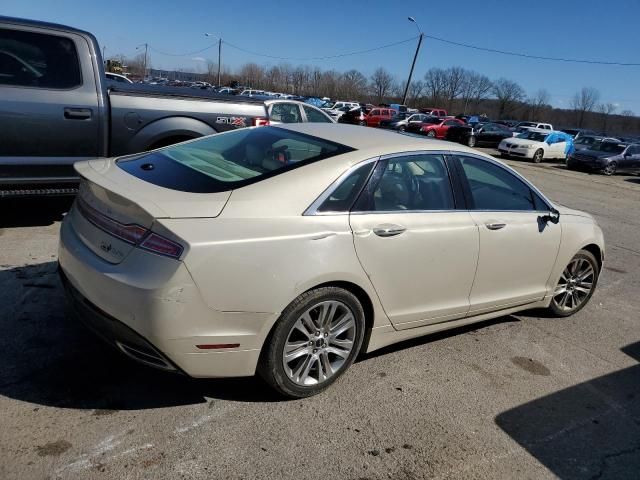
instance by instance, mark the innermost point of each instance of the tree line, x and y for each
(457, 89)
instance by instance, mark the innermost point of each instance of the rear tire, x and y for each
(302, 336)
(538, 155)
(576, 285)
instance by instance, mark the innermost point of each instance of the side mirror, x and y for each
(553, 216)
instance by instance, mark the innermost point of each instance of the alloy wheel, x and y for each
(537, 157)
(575, 285)
(610, 169)
(319, 343)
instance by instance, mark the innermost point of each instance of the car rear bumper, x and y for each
(149, 308)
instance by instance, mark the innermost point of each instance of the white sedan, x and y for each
(290, 250)
(535, 145)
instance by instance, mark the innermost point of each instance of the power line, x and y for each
(535, 57)
(400, 42)
(357, 52)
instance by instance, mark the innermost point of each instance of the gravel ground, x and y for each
(516, 397)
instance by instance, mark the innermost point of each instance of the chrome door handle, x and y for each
(388, 230)
(495, 226)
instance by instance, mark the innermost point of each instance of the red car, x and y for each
(377, 114)
(436, 112)
(438, 127)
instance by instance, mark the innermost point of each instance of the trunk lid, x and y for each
(109, 194)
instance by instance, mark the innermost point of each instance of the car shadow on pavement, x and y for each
(32, 212)
(49, 358)
(633, 180)
(590, 430)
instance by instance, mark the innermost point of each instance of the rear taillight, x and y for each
(158, 244)
(131, 233)
(259, 121)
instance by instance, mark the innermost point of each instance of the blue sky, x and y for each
(566, 28)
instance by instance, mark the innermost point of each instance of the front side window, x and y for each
(494, 188)
(230, 160)
(415, 182)
(36, 60)
(375, 112)
(285, 113)
(315, 116)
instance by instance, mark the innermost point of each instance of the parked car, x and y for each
(435, 112)
(578, 132)
(62, 110)
(508, 123)
(336, 109)
(434, 127)
(537, 144)
(401, 120)
(116, 77)
(523, 127)
(607, 157)
(252, 93)
(587, 141)
(377, 115)
(273, 266)
(354, 116)
(482, 134)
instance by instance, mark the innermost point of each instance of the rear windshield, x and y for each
(230, 160)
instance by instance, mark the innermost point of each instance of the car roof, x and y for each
(382, 141)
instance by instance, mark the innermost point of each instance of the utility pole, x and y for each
(144, 67)
(413, 64)
(219, 60)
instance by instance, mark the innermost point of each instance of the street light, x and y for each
(219, 53)
(413, 64)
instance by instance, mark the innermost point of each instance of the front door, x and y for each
(419, 251)
(518, 247)
(49, 98)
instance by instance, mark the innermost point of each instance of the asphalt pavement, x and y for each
(522, 396)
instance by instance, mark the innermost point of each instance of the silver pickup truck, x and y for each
(57, 107)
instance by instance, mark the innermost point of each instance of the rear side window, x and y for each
(36, 60)
(315, 116)
(285, 113)
(230, 160)
(493, 188)
(342, 197)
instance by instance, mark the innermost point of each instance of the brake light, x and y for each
(259, 121)
(130, 233)
(158, 244)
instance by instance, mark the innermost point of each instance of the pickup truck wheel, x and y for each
(537, 157)
(471, 141)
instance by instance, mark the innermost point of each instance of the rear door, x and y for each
(373, 120)
(518, 248)
(285, 112)
(48, 98)
(418, 249)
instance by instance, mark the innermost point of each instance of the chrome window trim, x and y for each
(313, 208)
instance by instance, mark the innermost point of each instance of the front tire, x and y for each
(610, 169)
(537, 156)
(576, 285)
(471, 141)
(315, 340)
(431, 134)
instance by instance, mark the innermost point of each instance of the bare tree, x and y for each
(508, 93)
(538, 102)
(416, 89)
(584, 101)
(435, 80)
(381, 83)
(252, 74)
(135, 65)
(475, 89)
(454, 83)
(605, 110)
(352, 84)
